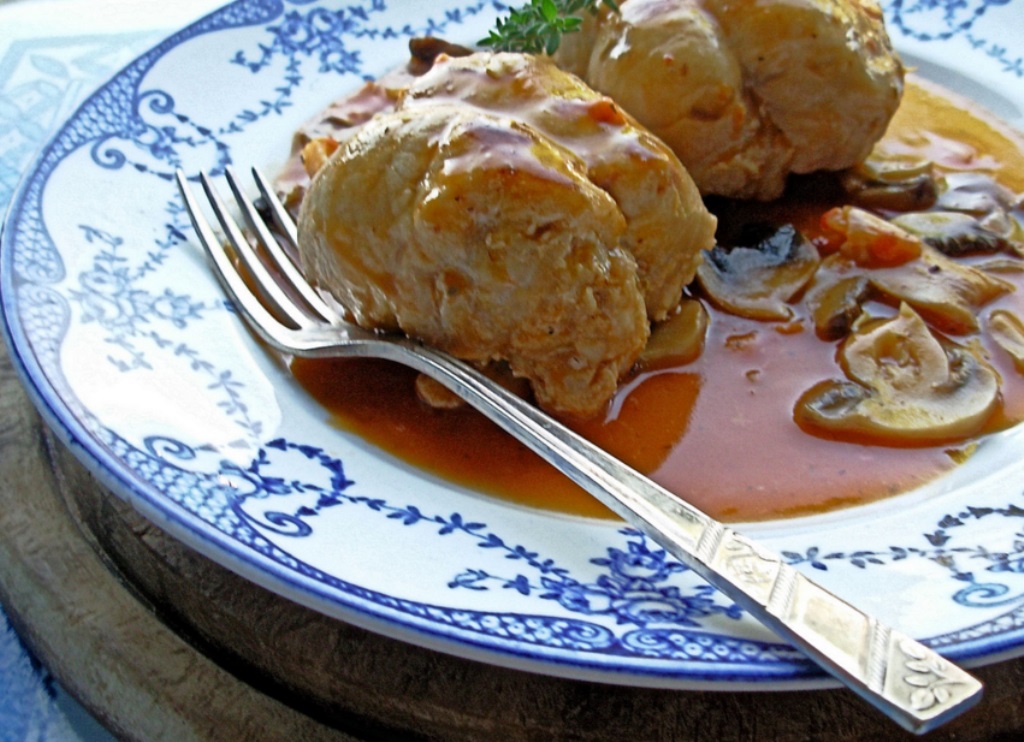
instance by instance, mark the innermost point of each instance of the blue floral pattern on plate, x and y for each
(130, 350)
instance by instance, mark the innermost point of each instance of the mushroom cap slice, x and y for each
(679, 339)
(1007, 330)
(835, 300)
(945, 291)
(891, 182)
(906, 386)
(955, 233)
(758, 281)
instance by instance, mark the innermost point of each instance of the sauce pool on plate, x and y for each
(719, 431)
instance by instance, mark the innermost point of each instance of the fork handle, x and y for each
(904, 679)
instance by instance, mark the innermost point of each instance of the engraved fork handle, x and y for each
(904, 679)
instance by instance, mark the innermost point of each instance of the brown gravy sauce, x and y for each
(718, 431)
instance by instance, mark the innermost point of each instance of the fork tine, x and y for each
(267, 284)
(282, 219)
(284, 263)
(256, 315)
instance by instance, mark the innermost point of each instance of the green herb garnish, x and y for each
(539, 26)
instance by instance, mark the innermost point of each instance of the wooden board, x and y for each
(161, 643)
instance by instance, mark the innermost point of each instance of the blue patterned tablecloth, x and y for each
(52, 54)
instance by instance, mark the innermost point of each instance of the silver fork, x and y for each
(904, 679)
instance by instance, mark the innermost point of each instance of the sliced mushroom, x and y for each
(679, 339)
(1001, 265)
(955, 233)
(891, 183)
(990, 202)
(949, 294)
(906, 386)
(975, 193)
(758, 281)
(1007, 330)
(835, 299)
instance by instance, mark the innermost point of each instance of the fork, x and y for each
(904, 679)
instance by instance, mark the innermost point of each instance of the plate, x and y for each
(128, 348)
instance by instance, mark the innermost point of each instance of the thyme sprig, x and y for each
(539, 26)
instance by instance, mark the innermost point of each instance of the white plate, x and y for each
(127, 346)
